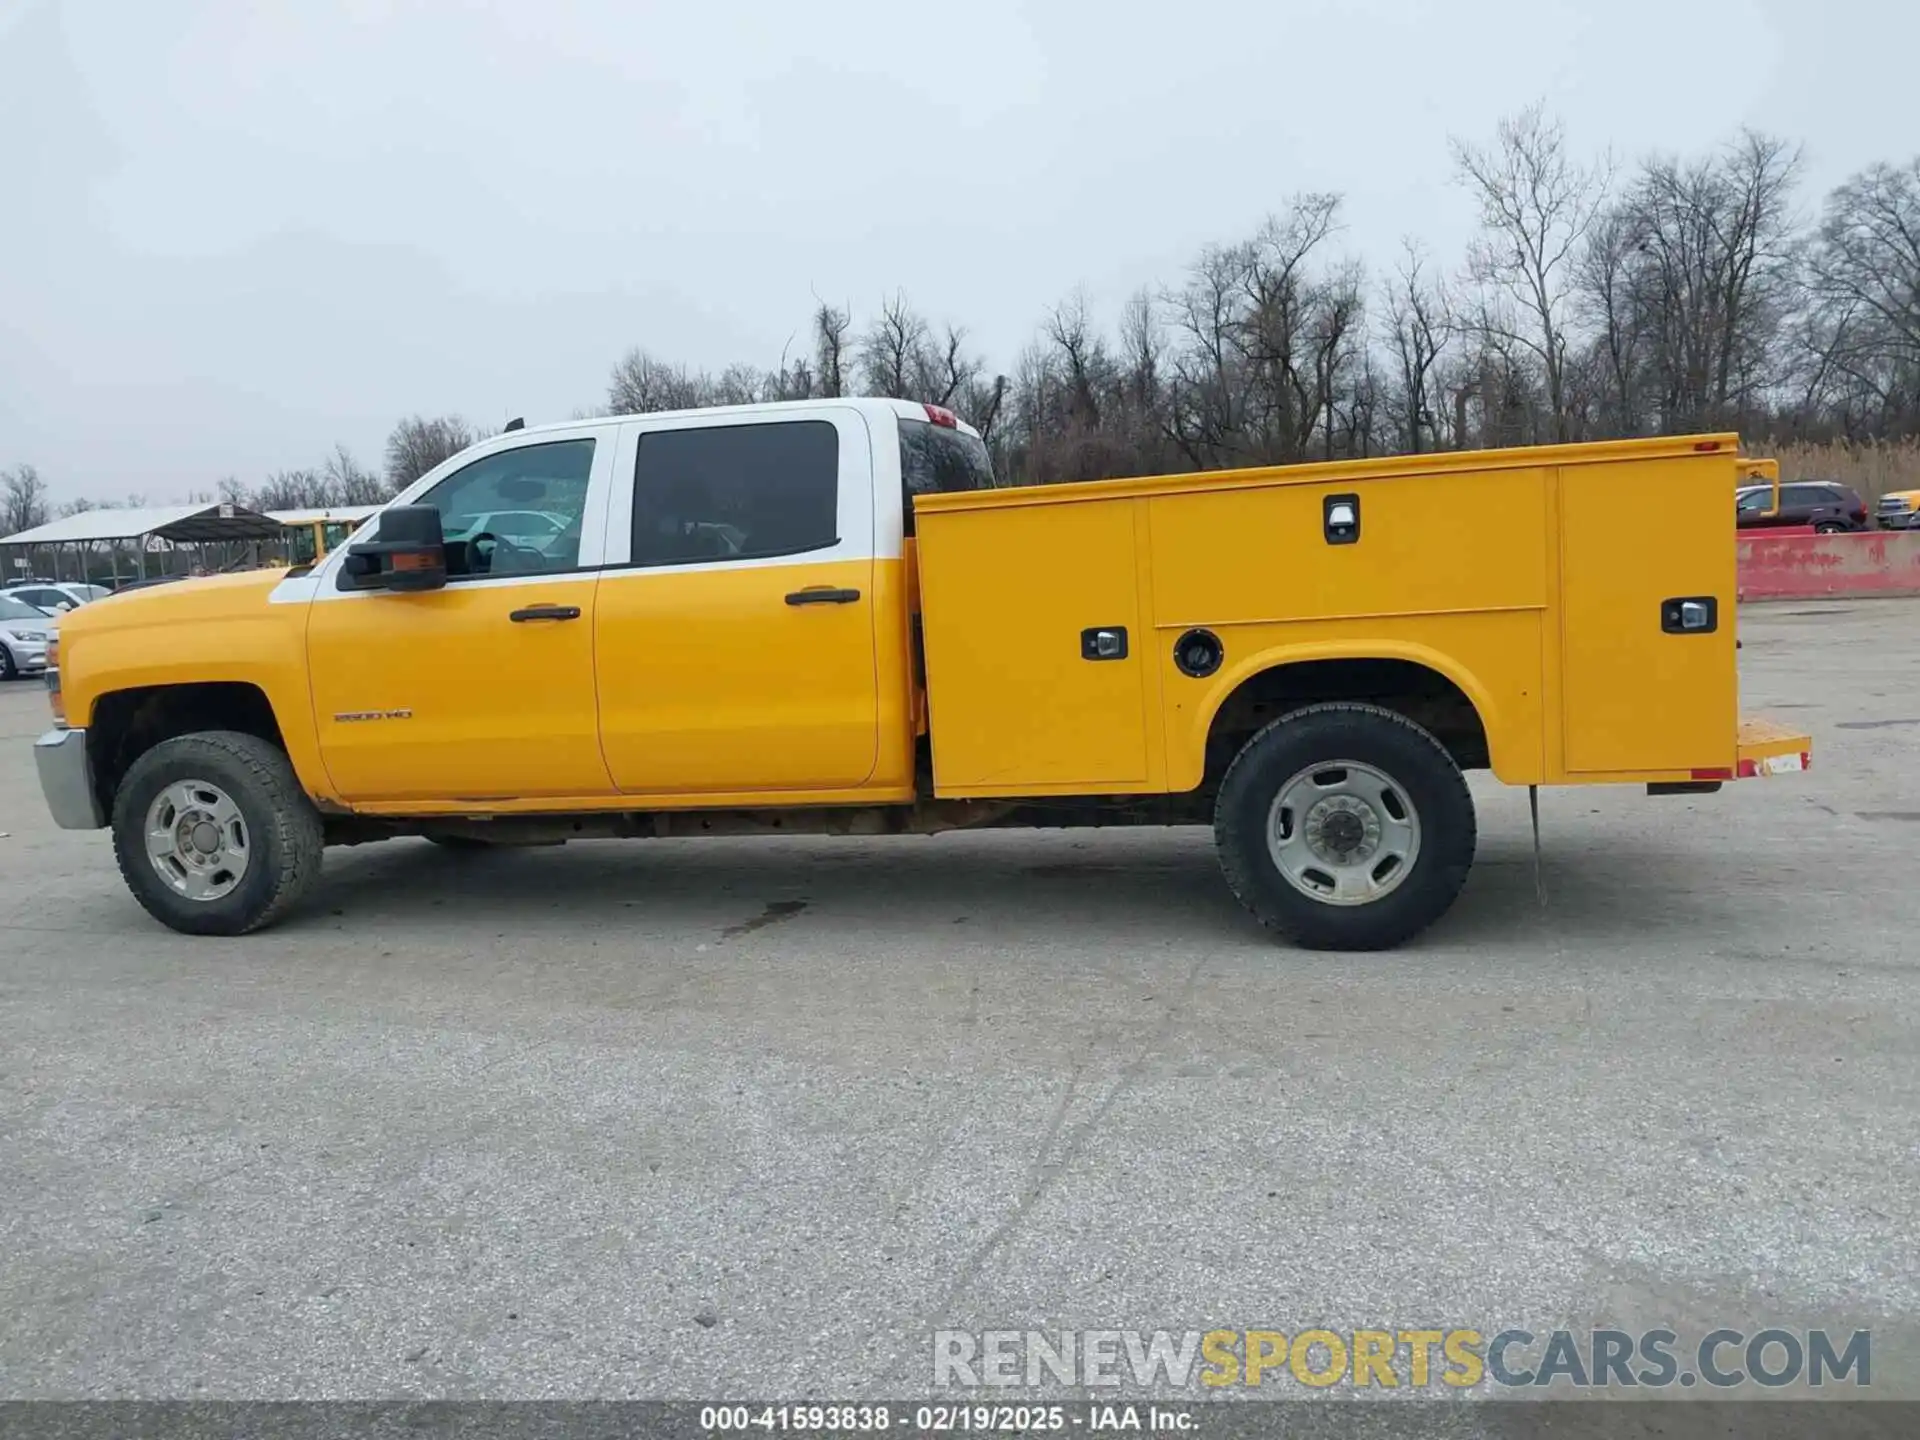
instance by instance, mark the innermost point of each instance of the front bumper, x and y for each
(30, 659)
(66, 779)
(1897, 519)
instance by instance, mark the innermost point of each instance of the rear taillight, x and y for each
(940, 415)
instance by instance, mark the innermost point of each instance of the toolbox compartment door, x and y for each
(1008, 596)
(1637, 537)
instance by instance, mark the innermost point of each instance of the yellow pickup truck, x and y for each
(826, 617)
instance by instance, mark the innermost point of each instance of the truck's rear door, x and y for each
(734, 639)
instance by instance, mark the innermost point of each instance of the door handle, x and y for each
(546, 612)
(822, 595)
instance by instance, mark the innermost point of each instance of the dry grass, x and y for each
(1872, 469)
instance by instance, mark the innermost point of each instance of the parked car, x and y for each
(528, 529)
(1826, 506)
(56, 596)
(24, 632)
(1899, 510)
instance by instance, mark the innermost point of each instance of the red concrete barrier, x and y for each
(1779, 565)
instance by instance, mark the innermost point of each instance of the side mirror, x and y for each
(407, 553)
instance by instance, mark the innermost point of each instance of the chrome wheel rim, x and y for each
(1343, 833)
(197, 840)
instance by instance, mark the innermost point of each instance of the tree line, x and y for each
(415, 446)
(1674, 294)
(1677, 294)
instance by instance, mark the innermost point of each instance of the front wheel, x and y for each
(1345, 827)
(213, 833)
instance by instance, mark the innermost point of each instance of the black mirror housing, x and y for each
(407, 553)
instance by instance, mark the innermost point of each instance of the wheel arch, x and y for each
(124, 724)
(1414, 680)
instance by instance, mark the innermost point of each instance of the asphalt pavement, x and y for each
(688, 1118)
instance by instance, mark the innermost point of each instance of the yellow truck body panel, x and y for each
(1535, 580)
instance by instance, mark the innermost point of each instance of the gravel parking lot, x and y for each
(756, 1117)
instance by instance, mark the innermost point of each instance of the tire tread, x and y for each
(297, 839)
(1234, 864)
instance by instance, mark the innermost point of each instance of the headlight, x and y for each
(30, 634)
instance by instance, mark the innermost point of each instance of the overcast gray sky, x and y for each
(234, 232)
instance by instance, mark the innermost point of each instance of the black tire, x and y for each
(1829, 529)
(283, 830)
(8, 670)
(1420, 769)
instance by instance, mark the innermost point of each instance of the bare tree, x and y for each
(1207, 410)
(981, 403)
(739, 384)
(291, 490)
(23, 500)
(1288, 337)
(349, 483)
(1689, 299)
(890, 350)
(1536, 206)
(942, 368)
(1696, 257)
(1083, 363)
(1611, 305)
(1418, 330)
(1865, 272)
(832, 342)
(641, 384)
(417, 444)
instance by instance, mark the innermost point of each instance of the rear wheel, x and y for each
(1828, 527)
(213, 833)
(1345, 827)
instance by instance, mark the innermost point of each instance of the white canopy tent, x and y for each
(69, 542)
(343, 514)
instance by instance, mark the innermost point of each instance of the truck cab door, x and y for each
(483, 689)
(734, 630)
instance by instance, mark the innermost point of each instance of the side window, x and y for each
(735, 492)
(517, 512)
(300, 544)
(1804, 495)
(936, 459)
(1756, 500)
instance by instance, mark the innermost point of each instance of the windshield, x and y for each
(935, 459)
(11, 609)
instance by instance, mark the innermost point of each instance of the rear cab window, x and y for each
(939, 459)
(735, 492)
